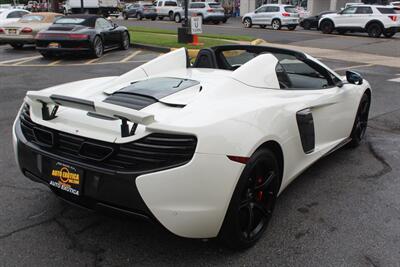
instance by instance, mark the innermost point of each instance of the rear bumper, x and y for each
(215, 18)
(17, 39)
(65, 45)
(290, 22)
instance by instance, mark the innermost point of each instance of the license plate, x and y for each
(12, 31)
(54, 45)
(66, 177)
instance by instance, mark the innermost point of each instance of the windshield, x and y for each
(31, 18)
(148, 5)
(69, 21)
(215, 5)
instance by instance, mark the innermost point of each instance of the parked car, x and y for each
(82, 33)
(274, 15)
(32, 6)
(11, 15)
(165, 141)
(312, 22)
(373, 19)
(208, 11)
(24, 31)
(140, 11)
(104, 7)
(167, 8)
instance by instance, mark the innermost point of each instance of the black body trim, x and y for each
(305, 123)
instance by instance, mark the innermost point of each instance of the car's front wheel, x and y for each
(98, 48)
(252, 202)
(389, 33)
(177, 18)
(17, 45)
(125, 42)
(360, 122)
(247, 22)
(306, 25)
(327, 27)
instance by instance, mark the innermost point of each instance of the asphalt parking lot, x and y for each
(343, 211)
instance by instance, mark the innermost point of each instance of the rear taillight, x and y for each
(78, 36)
(1, 30)
(394, 18)
(210, 10)
(285, 14)
(26, 30)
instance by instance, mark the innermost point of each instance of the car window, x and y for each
(272, 9)
(15, 14)
(170, 3)
(290, 9)
(215, 5)
(159, 4)
(262, 9)
(364, 10)
(102, 23)
(350, 10)
(66, 20)
(136, 5)
(30, 18)
(387, 10)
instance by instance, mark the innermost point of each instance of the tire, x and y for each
(215, 22)
(126, 17)
(389, 33)
(374, 30)
(327, 26)
(263, 26)
(360, 122)
(171, 16)
(276, 24)
(153, 18)
(160, 18)
(247, 23)
(139, 16)
(252, 202)
(98, 47)
(177, 18)
(125, 41)
(306, 25)
(224, 20)
(17, 45)
(292, 28)
(47, 55)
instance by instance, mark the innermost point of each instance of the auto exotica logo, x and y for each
(66, 177)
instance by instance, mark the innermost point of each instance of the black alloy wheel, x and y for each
(360, 122)
(306, 25)
(125, 42)
(98, 48)
(374, 30)
(327, 27)
(253, 201)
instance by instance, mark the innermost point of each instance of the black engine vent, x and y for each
(152, 152)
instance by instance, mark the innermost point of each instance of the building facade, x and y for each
(312, 6)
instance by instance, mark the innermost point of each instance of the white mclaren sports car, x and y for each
(204, 149)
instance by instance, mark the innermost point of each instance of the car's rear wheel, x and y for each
(276, 24)
(17, 45)
(125, 15)
(374, 30)
(252, 202)
(139, 16)
(247, 23)
(98, 47)
(306, 25)
(360, 122)
(292, 28)
(125, 42)
(389, 33)
(177, 18)
(171, 16)
(327, 26)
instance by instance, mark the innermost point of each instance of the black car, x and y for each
(312, 22)
(140, 11)
(82, 33)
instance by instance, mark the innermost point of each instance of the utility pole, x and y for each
(184, 35)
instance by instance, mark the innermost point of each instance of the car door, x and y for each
(362, 16)
(107, 31)
(326, 103)
(344, 18)
(272, 12)
(260, 15)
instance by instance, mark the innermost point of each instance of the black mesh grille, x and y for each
(155, 151)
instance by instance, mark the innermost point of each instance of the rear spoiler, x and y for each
(97, 107)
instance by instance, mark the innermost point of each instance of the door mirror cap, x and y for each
(354, 77)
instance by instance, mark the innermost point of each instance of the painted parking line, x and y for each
(54, 62)
(73, 64)
(132, 55)
(355, 67)
(19, 59)
(26, 60)
(396, 80)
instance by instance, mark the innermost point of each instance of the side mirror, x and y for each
(256, 11)
(354, 77)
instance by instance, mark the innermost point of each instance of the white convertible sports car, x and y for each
(203, 149)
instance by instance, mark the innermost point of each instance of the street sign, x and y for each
(195, 25)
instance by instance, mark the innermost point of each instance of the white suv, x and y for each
(277, 16)
(373, 19)
(167, 8)
(208, 11)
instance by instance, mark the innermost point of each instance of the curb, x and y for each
(257, 42)
(154, 48)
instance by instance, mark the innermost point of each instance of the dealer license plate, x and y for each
(12, 31)
(54, 45)
(66, 177)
